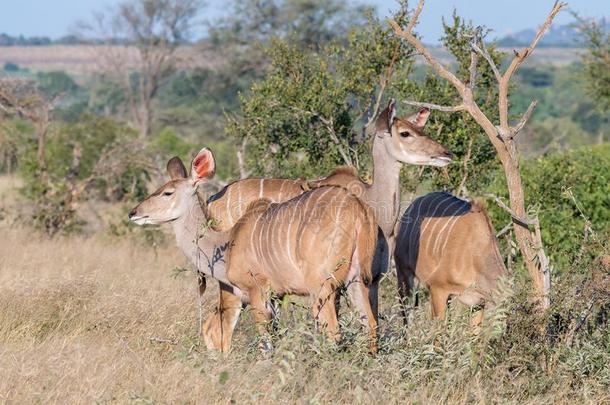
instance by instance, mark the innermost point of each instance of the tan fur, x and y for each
(299, 231)
(217, 329)
(310, 245)
(457, 256)
(228, 206)
(233, 200)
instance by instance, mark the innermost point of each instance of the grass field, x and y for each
(107, 320)
(82, 59)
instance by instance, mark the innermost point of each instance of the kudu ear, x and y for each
(386, 118)
(176, 169)
(420, 118)
(203, 166)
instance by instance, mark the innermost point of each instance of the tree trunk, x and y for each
(526, 238)
(41, 132)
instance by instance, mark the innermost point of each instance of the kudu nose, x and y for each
(448, 154)
(132, 213)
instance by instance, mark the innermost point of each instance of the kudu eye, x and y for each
(405, 134)
(168, 192)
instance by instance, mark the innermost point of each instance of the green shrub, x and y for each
(567, 190)
(11, 67)
(95, 157)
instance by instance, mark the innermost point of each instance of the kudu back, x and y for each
(314, 216)
(448, 244)
(310, 245)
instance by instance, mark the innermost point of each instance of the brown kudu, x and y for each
(274, 247)
(449, 245)
(457, 255)
(396, 141)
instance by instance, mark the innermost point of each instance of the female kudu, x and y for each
(445, 242)
(274, 247)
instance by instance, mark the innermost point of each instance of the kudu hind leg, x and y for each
(406, 289)
(324, 311)
(362, 297)
(438, 302)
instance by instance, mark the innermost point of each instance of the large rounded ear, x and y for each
(176, 169)
(203, 166)
(420, 118)
(386, 118)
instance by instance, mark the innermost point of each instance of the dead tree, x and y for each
(503, 137)
(141, 42)
(21, 98)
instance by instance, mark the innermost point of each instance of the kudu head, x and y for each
(173, 200)
(404, 138)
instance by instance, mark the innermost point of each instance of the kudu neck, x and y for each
(384, 193)
(199, 242)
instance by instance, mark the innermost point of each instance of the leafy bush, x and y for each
(11, 67)
(307, 115)
(55, 83)
(95, 156)
(571, 192)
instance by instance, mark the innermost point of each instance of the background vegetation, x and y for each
(287, 88)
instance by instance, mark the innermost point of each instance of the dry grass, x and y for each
(77, 316)
(83, 59)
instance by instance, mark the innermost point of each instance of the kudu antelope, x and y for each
(470, 253)
(449, 245)
(396, 141)
(274, 246)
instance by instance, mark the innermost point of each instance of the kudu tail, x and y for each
(366, 243)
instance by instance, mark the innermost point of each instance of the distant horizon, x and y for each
(56, 19)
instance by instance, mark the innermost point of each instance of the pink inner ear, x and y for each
(203, 165)
(422, 117)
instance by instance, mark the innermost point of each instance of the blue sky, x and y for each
(55, 17)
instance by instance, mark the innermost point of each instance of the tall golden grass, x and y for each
(107, 320)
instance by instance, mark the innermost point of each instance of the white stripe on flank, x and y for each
(240, 204)
(260, 188)
(440, 233)
(452, 222)
(275, 234)
(421, 226)
(330, 246)
(316, 205)
(432, 234)
(280, 194)
(267, 223)
(289, 236)
(296, 205)
(229, 206)
(252, 237)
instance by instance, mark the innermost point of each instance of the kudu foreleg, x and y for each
(406, 290)
(218, 329)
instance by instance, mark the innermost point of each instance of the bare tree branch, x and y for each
(474, 59)
(518, 59)
(459, 107)
(521, 220)
(416, 43)
(485, 54)
(525, 118)
(461, 187)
